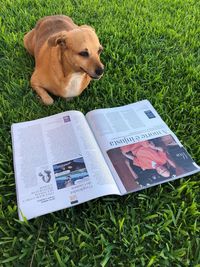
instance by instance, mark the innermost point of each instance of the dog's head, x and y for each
(81, 50)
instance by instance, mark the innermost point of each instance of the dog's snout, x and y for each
(99, 71)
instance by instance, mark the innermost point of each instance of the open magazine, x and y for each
(67, 159)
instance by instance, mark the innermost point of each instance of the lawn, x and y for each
(151, 51)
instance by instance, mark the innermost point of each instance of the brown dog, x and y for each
(67, 57)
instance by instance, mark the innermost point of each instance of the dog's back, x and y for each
(45, 28)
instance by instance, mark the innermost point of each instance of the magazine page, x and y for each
(139, 148)
(57, 164)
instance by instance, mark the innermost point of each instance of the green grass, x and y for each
(151, 51)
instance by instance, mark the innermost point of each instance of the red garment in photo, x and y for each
(145, 156)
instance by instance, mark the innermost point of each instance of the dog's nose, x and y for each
(99, 71)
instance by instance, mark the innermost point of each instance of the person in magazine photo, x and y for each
(150, 162)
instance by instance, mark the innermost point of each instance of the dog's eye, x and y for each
(84, 54)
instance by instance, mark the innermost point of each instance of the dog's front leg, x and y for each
(41, 91)
(45, 97)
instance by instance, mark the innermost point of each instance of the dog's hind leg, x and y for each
(29, 41)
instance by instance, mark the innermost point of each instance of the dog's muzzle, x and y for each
(97, 73)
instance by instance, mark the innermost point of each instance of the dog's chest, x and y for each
(73, 86)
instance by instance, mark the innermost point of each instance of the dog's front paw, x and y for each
(46, 100)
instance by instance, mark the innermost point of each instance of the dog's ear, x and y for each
(58, 39)
(87, 27)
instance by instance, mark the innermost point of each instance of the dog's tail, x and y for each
(29, 41)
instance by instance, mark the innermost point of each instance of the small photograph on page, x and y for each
(44, 174)
(149, 114)
(154, 161)
(70, 173)
(66, 119)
